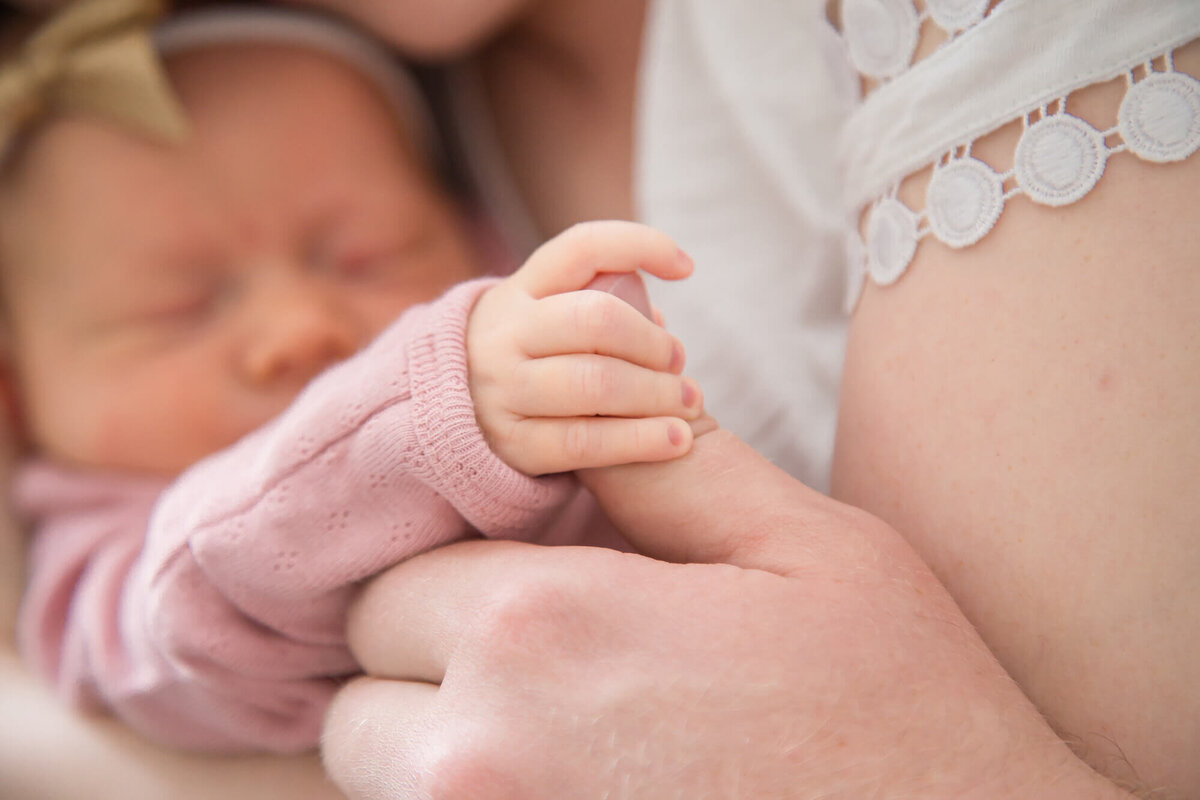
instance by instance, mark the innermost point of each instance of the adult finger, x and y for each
(595, 322)
(409, 622)
(583, 385)
(381, 722)
(572, 259)
(627, 286)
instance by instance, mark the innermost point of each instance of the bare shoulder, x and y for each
(1024, 411)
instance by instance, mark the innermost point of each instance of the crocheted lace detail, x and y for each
(881, 35)
(1058, 158)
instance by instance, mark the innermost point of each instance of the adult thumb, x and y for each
(725, 503)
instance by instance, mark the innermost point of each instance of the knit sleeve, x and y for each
(228, 631)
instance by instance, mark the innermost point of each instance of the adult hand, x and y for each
(822, 659)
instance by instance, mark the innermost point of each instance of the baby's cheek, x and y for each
(77, 430)
(113, 437)
(163, 427)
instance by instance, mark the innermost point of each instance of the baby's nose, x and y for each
(298, 336)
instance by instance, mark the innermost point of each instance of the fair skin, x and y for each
(1132, 713)
(162, 301)
(1056, 495)
(197, 289)
(560, 80)
(771, 661)
(565, 380)
(699, 595)
(594, 86)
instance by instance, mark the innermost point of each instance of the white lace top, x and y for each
(756, 154)
(1020, 61)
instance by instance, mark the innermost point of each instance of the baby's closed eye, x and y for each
(185, 309)
(370, 256)
(172, 302)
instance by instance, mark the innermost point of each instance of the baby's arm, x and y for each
(223, 629)
(566, 380)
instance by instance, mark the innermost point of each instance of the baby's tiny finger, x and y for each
(572, 259)
(587, 442)
(592, 385)
(596, 322)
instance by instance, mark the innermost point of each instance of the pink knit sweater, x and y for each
(208, 612)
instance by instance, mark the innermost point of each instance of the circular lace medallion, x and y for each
(1059, 159)
(881, 35)
(954, 15)
(891, 240)
(1160, 117)
(963, 201)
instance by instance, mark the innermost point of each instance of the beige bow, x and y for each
(93, 57)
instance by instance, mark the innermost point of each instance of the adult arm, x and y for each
(1023, 411)
(822, 658)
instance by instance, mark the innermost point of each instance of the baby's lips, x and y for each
(626, 285)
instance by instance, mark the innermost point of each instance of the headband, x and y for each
(102, 58)
(93, 57)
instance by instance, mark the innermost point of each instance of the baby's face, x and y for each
(163, 301)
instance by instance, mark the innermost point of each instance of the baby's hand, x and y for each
(565, 379)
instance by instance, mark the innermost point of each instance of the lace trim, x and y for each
(881, 35)
(1058, 160)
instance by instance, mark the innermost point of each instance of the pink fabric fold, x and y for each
(208, 611)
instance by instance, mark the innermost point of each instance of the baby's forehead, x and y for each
(260, 97)
(285, 112)
(234, 44)
(249, 32)
(274, 130)
(259, 79)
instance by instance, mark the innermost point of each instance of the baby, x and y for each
(258, 364)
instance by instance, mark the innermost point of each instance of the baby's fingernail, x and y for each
(677, 358)
(690, 394)
(675, 435)
(683, 261)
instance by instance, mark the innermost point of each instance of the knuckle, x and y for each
(467, 768)
(641, 434)
(594, 382)
(580, 442)
(526, 619)
(596, 315)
